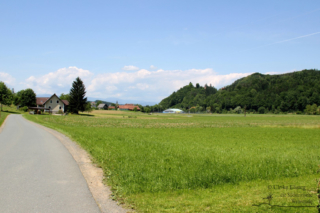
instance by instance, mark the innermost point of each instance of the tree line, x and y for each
(292, 92)
(27, 98)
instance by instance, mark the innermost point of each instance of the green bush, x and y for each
(24, 109)
(261, 110)
(237, 110)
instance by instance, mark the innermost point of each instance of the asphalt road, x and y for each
(38, 174)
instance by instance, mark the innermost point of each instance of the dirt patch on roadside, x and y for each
(93, 175)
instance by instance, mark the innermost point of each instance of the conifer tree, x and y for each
(77, 96)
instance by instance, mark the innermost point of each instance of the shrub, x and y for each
(60, 112)
(24, 109)
(261, 110)
(298, 112)
(237, 110)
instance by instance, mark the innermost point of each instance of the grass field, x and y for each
(198, 163)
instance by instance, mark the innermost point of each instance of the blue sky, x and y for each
(144, 50)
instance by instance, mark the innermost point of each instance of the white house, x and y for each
(54, 103)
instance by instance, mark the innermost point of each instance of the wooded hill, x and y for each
(286, 92)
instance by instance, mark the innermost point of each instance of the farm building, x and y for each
(93, 104)
(102, 106)
(173, 111)
(112, 108)
(53, 103)
(128, 107)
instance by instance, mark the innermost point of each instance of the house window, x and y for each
(60, 107)
(49, 107)
(50, 101)
(57, 102)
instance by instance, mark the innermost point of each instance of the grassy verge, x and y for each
(3, 117)
(7, 111)
(178, 163)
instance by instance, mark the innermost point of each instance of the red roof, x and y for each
(128, 106)
(65, 102)
(41, 101)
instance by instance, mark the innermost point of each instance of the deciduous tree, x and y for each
(5, 95)
(28, 98)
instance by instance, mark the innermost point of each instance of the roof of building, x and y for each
(43, 100)
(101, 105)
(174, 110)
(128, 106)
(65, 102)
(112, 107)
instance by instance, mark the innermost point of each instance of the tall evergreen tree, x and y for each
(77, 97)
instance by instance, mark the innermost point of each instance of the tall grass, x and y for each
(164, 154)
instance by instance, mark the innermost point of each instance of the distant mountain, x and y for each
(45, 95)
(286, 92)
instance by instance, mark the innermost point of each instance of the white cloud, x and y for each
(130, 67)
(150, 85)
(153, 67)
(7, 78)
(278, 73)
(144, 85)
(58, 81)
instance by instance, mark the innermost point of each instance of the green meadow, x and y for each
(201, 163)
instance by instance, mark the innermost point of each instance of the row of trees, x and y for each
(24, 98)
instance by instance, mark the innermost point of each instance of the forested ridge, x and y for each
(275, 93)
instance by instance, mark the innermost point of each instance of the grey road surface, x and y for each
(38, 174)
